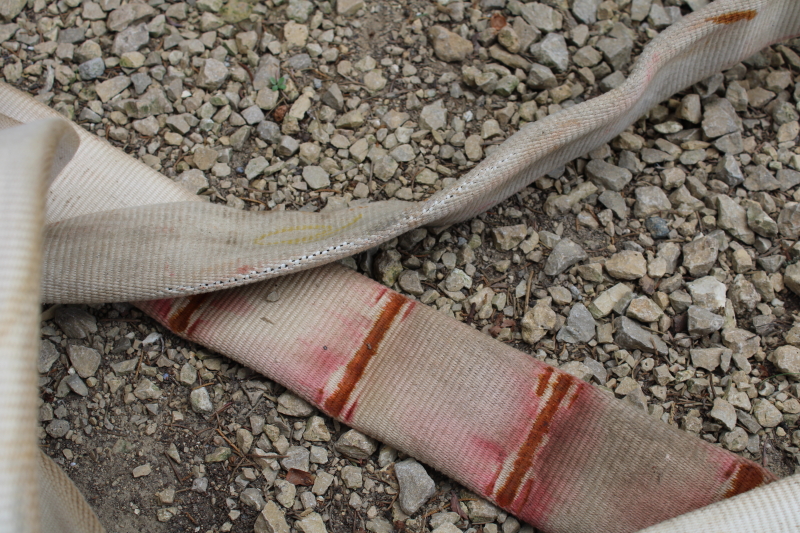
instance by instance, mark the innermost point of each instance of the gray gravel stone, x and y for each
(252, 498)
(9, 9)
(291, 405)
(57, 428)
(433, 116)
(658, 227)
(47, 356)
(708, 358)
(131, 39)
(76, 385)
(760, 222)
(147, 390)
(449, 46)
(617, 51)
(759, 178)
(271, 519)
(632, 336)
(201, 401)
(219, 455)
(610, 176)
(552, 52)
(312, 523)
(537, 322)
(124, 16)
(650, 201)
(416, 486)
(732, 217)
(333, 97)
(585, 10)
(735, 440)
(212, 74)
(541, 77)
(614, 201)
(92, 69)
(385, 167)
(627, 265)
(702, 321)
(743, 295)
(541, 16)
(356, 445)
(193, 180)
(700, 255)
(748, 421)
(296, 457)
(787, 359)
(509, 237)
(75, 322)
(720, 118)
(269, 132)
(724, 412)
(789, 220)
(580, 326)
(766, 413)
(565, 254)
(84, 360)
(316, 177)
(610, 299)
(644, 309)
(708, 292)
(351, 475)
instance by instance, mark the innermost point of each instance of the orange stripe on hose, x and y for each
(179, 322)
(736, 16)
(544, 379)
(356, 367)
(746, 477)
(541, 426)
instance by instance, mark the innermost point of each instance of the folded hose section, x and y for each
(552, 449)
(29, 157)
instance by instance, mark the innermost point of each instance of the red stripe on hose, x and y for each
(541, 426)
(356, 367)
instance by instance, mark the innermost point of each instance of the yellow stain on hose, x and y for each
(325, 230)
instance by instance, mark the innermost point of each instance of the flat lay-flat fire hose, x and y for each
(82, 222)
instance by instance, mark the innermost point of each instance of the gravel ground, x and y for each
(661, 267)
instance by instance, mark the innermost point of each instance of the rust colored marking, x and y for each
(381, 291)
(748, 476)
(736, 16)
(410, 307)
(544, 379)
(541, 426)
(369, 347)
(347, 416)
(179, 321)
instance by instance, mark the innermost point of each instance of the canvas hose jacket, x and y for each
(82, 222)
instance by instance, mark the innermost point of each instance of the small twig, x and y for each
(528, 292)
(174, 468)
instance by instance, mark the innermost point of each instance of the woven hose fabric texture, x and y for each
(532, 439)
